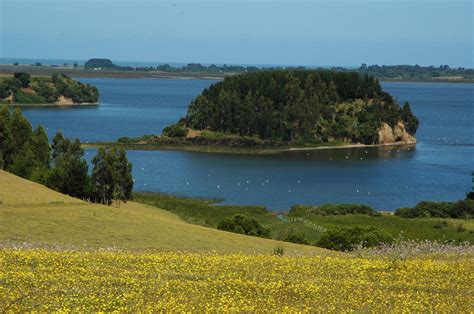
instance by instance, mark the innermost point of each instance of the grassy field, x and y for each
(32, 213)
(208, 213)
(58, 253)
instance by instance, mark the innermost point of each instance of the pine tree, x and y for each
(24, 162)
(5, 138)
(41, 147)
(20, 130)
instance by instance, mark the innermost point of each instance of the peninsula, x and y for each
(281, 110)
(59, 89)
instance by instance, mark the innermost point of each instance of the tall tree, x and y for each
(70, 172)
(5, 138)
(20, 130)
(112, 175)
(41, 147)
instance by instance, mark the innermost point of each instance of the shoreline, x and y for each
(238, 150)
(399, 143)
(7, 70)
(51, 105)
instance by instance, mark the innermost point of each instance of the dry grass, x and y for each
(32, 213)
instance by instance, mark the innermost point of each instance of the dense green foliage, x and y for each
(244, 225)
(459, 209)
(296, 237)
(21, 88)
(22, 150)
(61, 166)
(331, 209)
(112, 175)
(347, 239)
(297, 106)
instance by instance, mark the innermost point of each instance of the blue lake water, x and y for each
(438, 169)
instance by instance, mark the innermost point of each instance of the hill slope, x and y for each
(32, 213)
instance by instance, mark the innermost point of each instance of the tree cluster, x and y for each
(21, 88)
(461, 209)
(347, 239)
(99, 63)
(415, 72)
(61, 166)
(301, 105)
(243, 225)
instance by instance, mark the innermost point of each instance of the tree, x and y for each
(20, 129)
(5, 138)
(112, 176)
(70, 172)
(23, 162)
(41, 147)
(23, 77)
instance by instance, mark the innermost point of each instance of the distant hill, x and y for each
(99, 63)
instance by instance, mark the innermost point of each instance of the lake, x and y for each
(439, 168)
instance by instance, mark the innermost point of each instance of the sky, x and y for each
(293, 32)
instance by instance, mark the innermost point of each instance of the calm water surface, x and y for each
(438, 169)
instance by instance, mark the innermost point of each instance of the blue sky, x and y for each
(241, 32)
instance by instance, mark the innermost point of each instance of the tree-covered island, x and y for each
(291, 108)
(59, 89)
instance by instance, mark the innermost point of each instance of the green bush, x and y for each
(22, 97)
(459, 209)
(278, 251)
(331, 209)
(175, 130)
(243, 225)
(296, 237)
(346, 239)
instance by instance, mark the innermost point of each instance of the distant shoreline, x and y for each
(50, 105)
(6, 70)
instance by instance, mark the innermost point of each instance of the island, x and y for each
(59, 89)
(288, 109)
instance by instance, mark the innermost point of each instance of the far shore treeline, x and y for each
(301, 106)
(60, 166)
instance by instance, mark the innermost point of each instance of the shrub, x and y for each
(296, 237)
(278, 251)
(243, 225)
(345, 239)
(22, 97)
(331, 209)
(175, 130)
(440, 224)
(23, 77)
(459, 209)
(460, 228)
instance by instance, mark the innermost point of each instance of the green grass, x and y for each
(32, 213)
(409, 228)
(209, 213)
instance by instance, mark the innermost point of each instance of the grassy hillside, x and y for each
(32, 213)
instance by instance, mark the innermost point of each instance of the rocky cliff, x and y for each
(389, 135)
